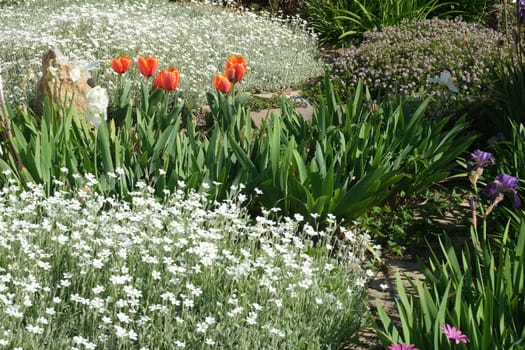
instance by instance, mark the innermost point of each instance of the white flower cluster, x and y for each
(82, 271)
(194, 38)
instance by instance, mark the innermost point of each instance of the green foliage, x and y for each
(353, 156)
(400, 59)
(136, 149)
(474, 10)
(349, 158)
(510, 159)
(479, 291)
(343, 22)
(405, 227)
(505, 103)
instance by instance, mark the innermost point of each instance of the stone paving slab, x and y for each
(304, 107)
(258, 117)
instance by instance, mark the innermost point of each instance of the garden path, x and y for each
(305, 110)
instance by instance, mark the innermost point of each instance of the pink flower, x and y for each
(454, 334)
(402, 346)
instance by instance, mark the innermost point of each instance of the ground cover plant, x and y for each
(177, 274)
(281, 52)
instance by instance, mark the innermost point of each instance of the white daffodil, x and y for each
(445, 78)
(97, 100)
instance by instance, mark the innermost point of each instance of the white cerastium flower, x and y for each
(445, 78)
(97, 100)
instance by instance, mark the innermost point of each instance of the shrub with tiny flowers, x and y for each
(401, 59)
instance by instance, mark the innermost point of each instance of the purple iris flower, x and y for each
(521, 10)
(479, 159)
(503, 183)
(402, 346)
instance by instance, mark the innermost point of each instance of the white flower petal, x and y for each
(445, 78)
(75, 74)
(94, 119)
(452, 87)
(98, 100)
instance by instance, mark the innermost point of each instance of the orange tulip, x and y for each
(236, 59)
(147, 65)
(167, 79)
(121, 65)
(222, 83)
(235, 68)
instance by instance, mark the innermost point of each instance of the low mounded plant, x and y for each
(400, 59)
(281, 52)
(79, 270)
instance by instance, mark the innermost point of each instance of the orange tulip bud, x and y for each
(222, 83)
(121, 65)
(235, 68)
(147, 65)
(167, 79)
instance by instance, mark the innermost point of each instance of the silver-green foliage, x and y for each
(194, 38)
(82, 270)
